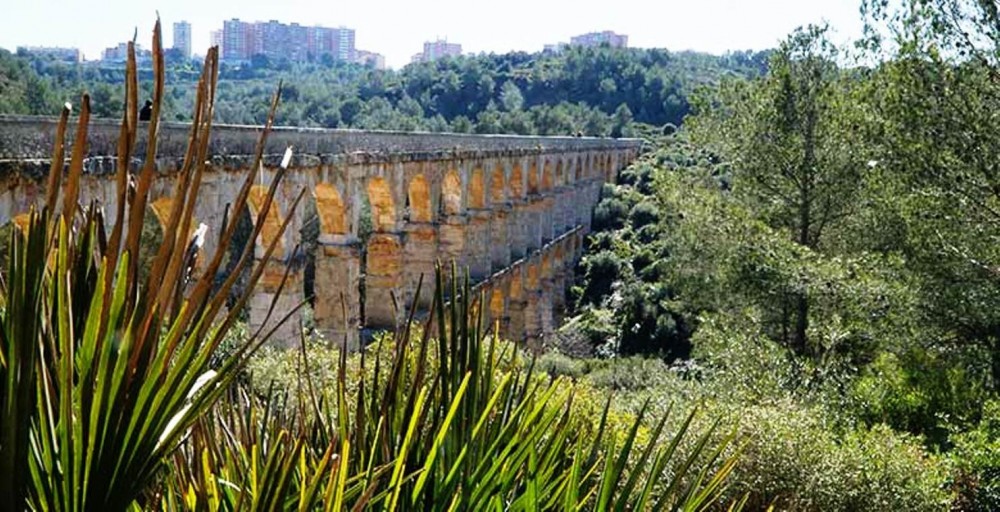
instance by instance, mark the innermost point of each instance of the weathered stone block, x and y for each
(337, 303)
(420, 254)
(384, 281)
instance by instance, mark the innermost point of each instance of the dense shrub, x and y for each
(792, 455)
(649, 324)
(595, 325)
(793, 460)
(556, 364)
(601, 241)
(601, 270)
(920, 391)
(976, 457)
(610, 213)
(629, 374)
(643, 214)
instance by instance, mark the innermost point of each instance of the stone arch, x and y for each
(312, 227)
(547, 176)
(19, 222)
(560, 175)
(516, 182)
(497, 185)
(578, 172)
(153, 235)
(496, 305)
(382, 273)
(382, 205)
(419, 194)
(330, 209)
(531, 275)
(477, 189)
(237, 244)
(272, 220)
(451, 193)
(515, 292)
(547, 260)
(161, 210)
(533, 178)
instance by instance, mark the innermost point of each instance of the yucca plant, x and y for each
(102, 374)
(454, 422)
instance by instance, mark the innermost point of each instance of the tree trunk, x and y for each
(807, 174)
(995, 364)
(802, 325)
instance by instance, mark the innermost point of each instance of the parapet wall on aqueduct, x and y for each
(511, 209)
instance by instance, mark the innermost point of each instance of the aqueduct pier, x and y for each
(511, 209)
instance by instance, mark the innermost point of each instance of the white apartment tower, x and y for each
(182, 38)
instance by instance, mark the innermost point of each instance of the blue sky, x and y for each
(398, 28)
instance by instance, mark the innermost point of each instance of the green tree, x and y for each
(937, 131)
(461, 124)
(511, 97)
(622, 118)
(789, 138)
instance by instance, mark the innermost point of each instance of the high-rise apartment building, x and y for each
(599, 38)
(434, 50)
(276, 40)
(119, 53)
(237, 40)
(345, 49)
(182, 38)
(215, 38)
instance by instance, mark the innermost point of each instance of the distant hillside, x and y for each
(596, 91)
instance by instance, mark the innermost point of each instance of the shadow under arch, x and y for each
(451, 193)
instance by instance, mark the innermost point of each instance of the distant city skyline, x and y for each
(241, 40)
(396, 30)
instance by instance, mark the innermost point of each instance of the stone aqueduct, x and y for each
(513, 210)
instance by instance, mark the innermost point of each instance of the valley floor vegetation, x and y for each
(814, 252)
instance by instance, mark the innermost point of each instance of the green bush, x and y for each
(556, 364)
(610, 214)
(596, 325)
(650, 324)
(630, 374)
(976, 459)
(601, 241)
(600, 270)
(920, 391)
(643, 214)
(795, 461)
(740, 362)
(794, 455)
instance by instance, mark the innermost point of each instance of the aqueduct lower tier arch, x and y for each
(387, 206)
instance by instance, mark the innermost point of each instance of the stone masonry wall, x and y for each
(511, 209)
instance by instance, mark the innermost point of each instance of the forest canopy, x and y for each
(595, 91)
